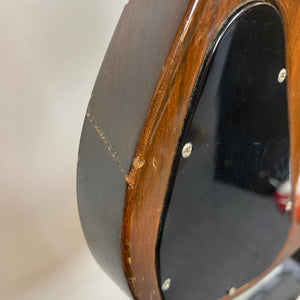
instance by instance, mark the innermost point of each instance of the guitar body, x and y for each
(190, 137)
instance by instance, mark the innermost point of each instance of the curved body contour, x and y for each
(146, 173)
(114, 119)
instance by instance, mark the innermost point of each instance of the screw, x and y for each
(231, 291)
(282, 75)
(187, 150)
(166, 285)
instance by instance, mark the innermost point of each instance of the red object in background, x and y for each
(282, 201)
(283, 197)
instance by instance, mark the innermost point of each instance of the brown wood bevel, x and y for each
(151, 168)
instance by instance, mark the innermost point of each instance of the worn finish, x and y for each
(162, 129)
(114, 119)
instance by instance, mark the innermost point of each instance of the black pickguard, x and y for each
(222, 226)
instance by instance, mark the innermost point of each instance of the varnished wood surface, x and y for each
(151, 168)
(115, 116)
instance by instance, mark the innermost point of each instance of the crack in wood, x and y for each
(110, 149)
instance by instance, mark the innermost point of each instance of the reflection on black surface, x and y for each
(252, 143)
(223, 227)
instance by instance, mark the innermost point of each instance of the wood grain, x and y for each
(151, 169)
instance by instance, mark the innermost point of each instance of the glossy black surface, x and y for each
(223, 227)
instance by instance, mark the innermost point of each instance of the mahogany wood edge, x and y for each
(152, 164)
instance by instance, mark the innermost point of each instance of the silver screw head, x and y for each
(282, 75)
(166, 285)
(231, 291)
(187, 150)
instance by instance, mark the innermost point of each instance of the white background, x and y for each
(51, 52)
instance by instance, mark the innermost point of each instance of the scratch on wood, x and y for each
(154, 162)
(138, 161)
(110, 149)
(107, 75)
